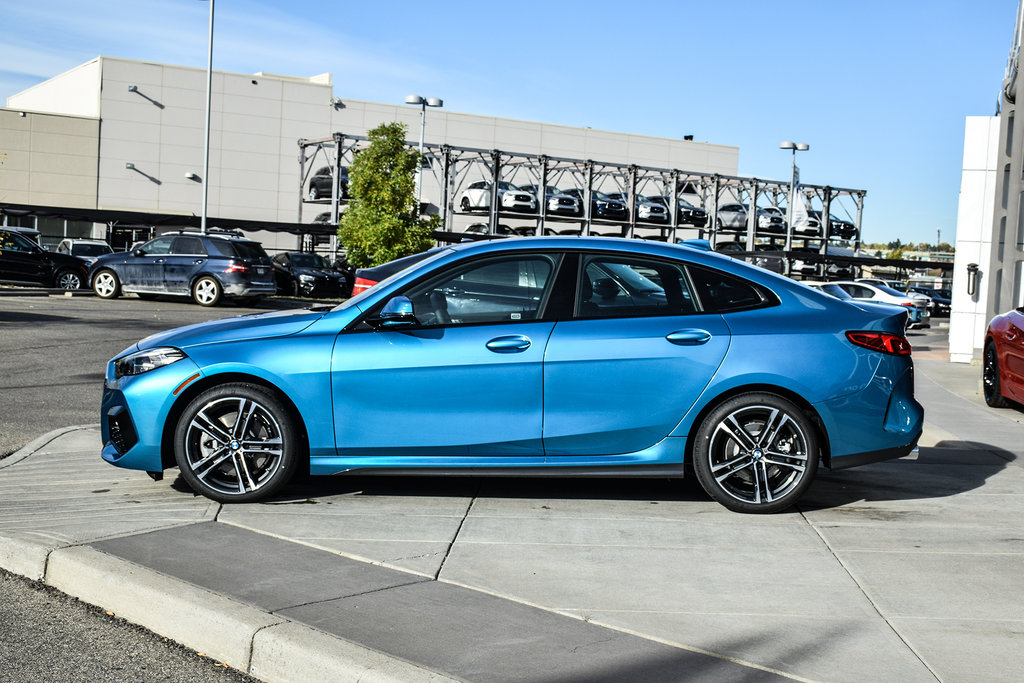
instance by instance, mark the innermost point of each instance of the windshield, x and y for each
(309, 261)
(835, 290)
(890, 290)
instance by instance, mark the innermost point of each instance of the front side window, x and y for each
(10, 241)
(617, 286)
(505, 289)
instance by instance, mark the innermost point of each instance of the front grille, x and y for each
(122, 432)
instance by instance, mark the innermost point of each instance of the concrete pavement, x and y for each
(908, 570)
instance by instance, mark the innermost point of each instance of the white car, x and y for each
(865, 291)
(477, 196)
(647, 210)
(734, 216)
(87, 250)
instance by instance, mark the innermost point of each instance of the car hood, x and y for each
(259, 326)
(316, 272)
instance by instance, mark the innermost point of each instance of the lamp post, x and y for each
(206, 136)
(794, 180)
(423, 103)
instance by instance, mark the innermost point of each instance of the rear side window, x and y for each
(616, 286)
(720, 292)
(246, 251)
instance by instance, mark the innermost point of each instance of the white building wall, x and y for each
(75, 92)
(974, 226)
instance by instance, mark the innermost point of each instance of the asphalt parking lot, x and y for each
(900, 571)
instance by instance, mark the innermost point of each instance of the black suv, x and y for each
(208, 267)
(304, 274)
(322, 183)
(25, 262)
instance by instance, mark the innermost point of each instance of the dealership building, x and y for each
(114, 149)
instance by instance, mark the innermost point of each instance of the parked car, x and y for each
(370, 276)
(558, 203)
(917, 308)
(477, 196)
(806, 261)
(502, 229)
(209, 267)
(686, 213)
(733, 216)
(766, 256)
(900, 286)
(601, 205)
(1003, 359)
(837, 227)
(808, 226)
(321, 184)
(647, 210)
(941, 302)
(23, 261)
(838, 292)
(299, 273)
(497, 357)
(87, 250)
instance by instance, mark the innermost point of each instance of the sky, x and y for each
(878, 89)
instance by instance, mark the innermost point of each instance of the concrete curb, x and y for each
(40, 443)
(248, 639)
(45, 291)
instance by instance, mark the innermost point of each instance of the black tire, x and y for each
(145, 296)
(68, 279)
(207, 291)
(465, 204)
(750, 469)
(718, 223)
(991, 387)
(231, 460)
(106, 284)
(314, 194)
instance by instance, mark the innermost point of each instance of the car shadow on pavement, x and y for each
(944, 470)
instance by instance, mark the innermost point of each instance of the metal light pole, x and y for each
(794, 180)
(423, 103)
(206, 137)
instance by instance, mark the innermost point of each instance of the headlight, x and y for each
(307, 278)
(144, 361)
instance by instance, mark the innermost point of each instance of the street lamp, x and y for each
(794, 181)
(423, 103)
(206, 130)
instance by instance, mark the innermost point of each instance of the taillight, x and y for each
(361, 285)
(236, 268)
(883, 342)
(908, 305)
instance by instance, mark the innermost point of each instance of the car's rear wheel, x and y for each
(106, 285)
(69, 279)
(314, 194)
(464, 203)
(990, 378)
(207, 291)
(756, 452)
(236, 443)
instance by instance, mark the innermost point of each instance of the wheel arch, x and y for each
(788, 394)
(202, 384)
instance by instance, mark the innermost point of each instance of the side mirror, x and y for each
(397, 312)
(138, 252)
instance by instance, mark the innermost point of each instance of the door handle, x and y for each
(198, 261)
(159, 260)
(689, 337)
(513, 343)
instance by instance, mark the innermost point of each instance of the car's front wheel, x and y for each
(314, 194)
(465, 204)
(207, 291)
(69, 279)
(236, 443)
(106, 285)
(756, 452)
(990, 378)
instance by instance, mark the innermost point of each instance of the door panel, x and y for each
(622, 385)
(443, 391)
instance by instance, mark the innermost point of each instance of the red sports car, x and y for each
(1003, 374)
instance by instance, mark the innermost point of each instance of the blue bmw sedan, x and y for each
(545, 356)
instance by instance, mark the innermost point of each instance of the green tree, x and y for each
(382, 222)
